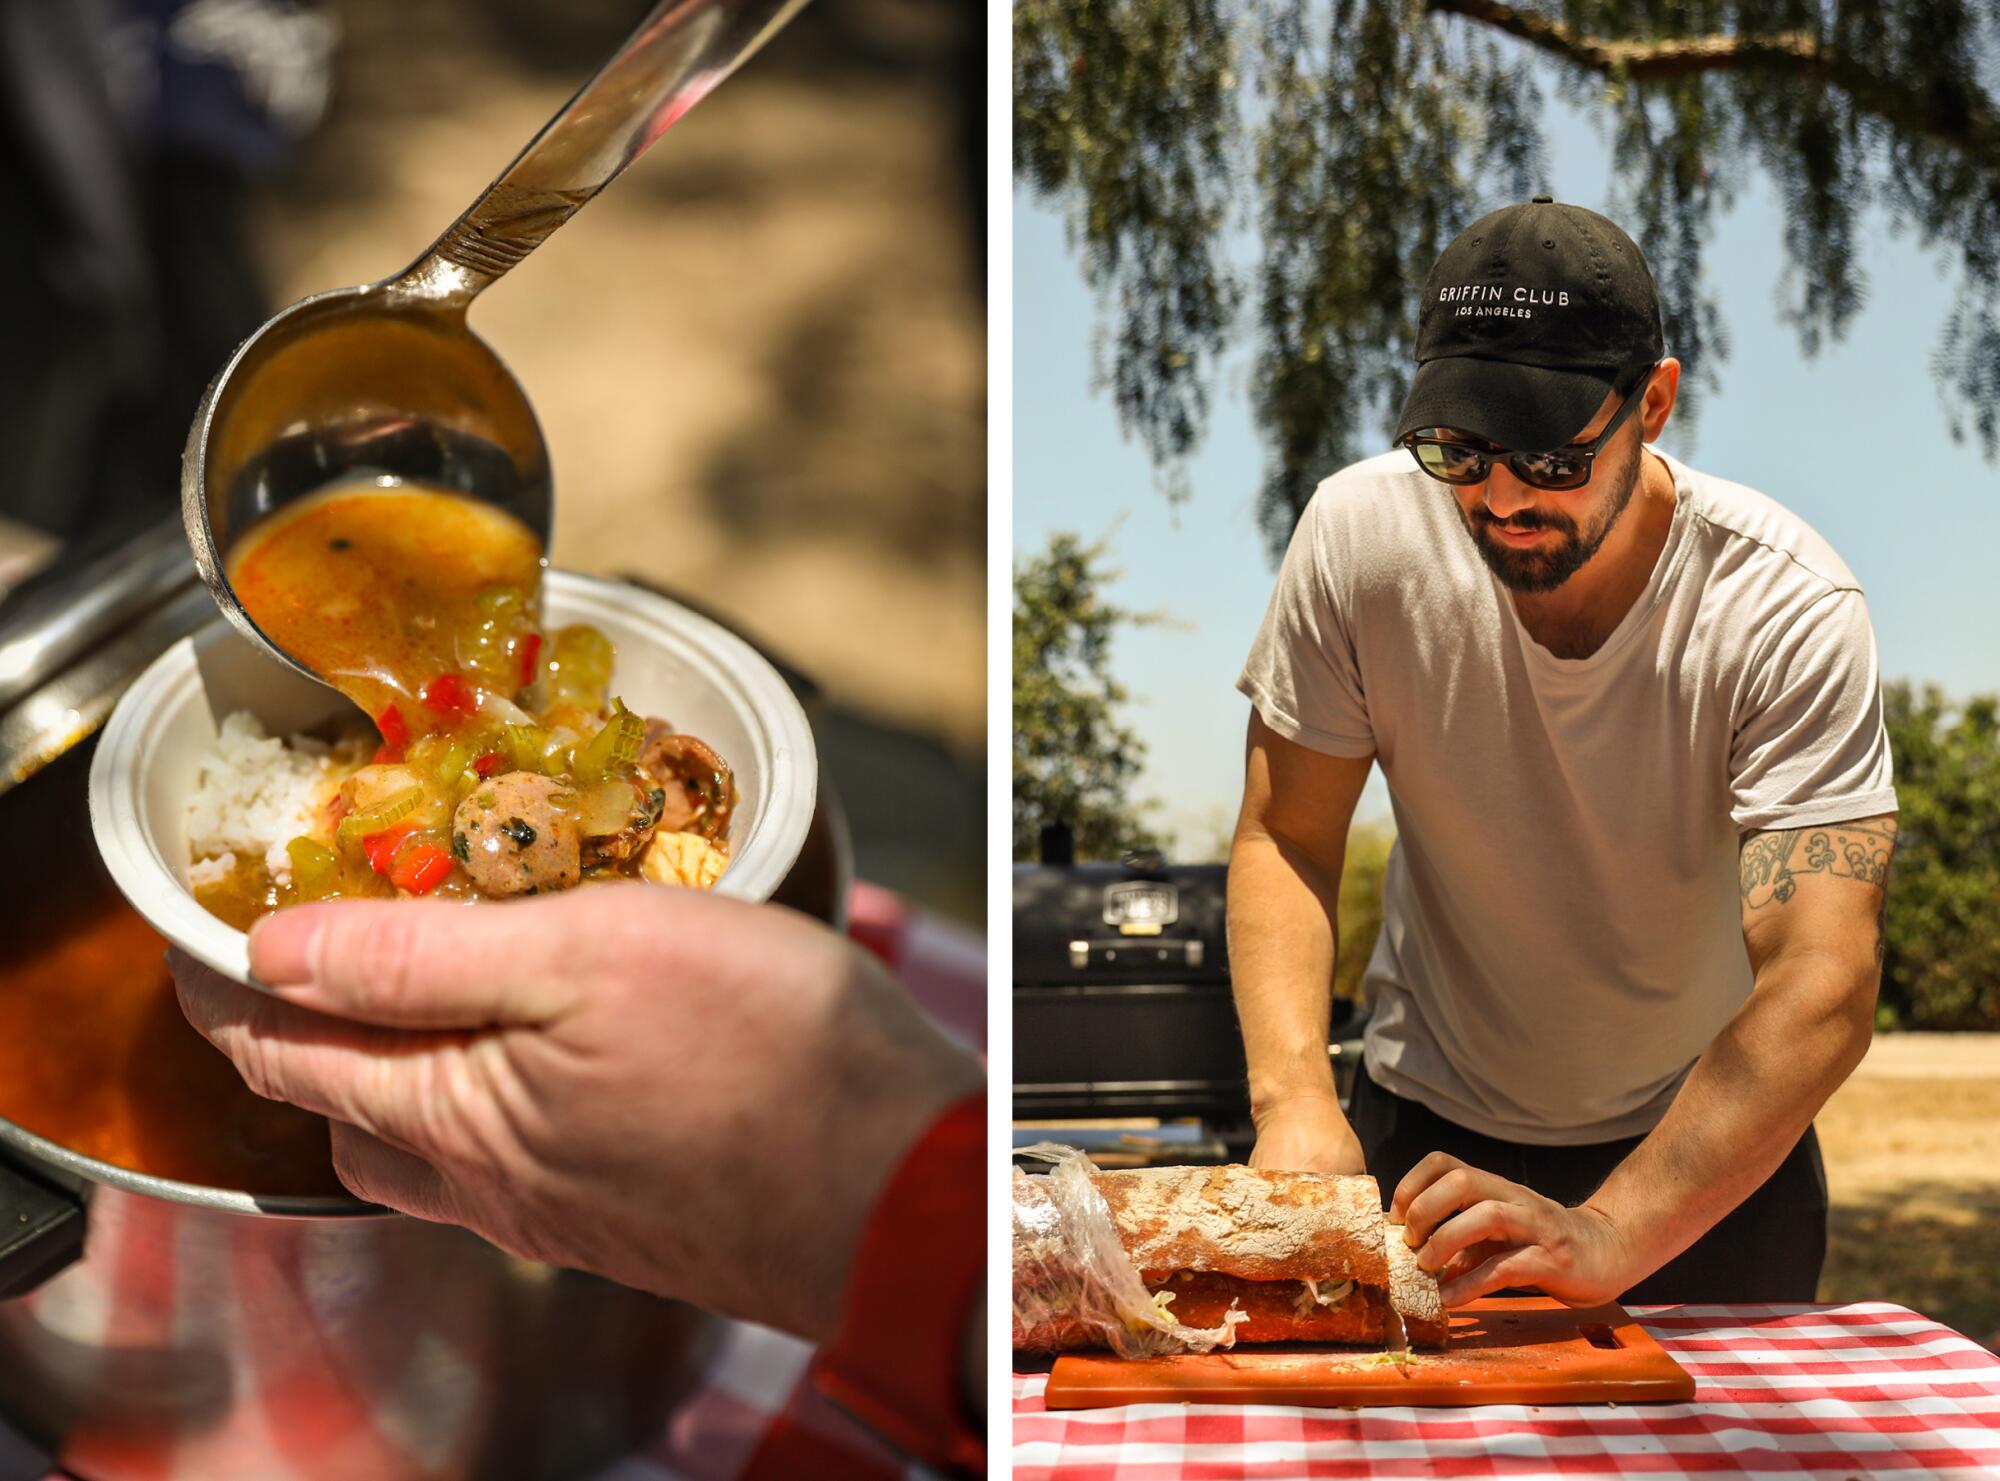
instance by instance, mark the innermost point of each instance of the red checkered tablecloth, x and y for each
(1791, 1391)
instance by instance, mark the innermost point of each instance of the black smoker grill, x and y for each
(1122, 1005)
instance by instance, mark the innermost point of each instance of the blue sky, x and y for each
(1869, 463)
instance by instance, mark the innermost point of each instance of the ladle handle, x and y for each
(675, 58)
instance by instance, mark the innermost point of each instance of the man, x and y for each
(1631, 726)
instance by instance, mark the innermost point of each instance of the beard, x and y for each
(1548, 565)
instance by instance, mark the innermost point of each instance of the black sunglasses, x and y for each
(1450, 461)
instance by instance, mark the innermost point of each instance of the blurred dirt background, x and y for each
(1912, 1149)
(759, 356)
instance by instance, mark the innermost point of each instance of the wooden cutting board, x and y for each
(1503, 1350)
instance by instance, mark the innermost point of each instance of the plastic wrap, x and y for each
(1074, 1285)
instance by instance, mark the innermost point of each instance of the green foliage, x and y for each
(1942, 967)
(1127, 110)
(1074, 762)
(1367, 133)
(1381, 135)
(1360, 905)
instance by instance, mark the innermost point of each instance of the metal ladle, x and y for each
(386, 380)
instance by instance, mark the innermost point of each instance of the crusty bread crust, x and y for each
(1414, 1292)
(1253, 1223)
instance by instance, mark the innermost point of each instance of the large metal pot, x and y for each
(209, 1334)
(153, 1329)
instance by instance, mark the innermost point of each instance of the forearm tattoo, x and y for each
(1771, 863)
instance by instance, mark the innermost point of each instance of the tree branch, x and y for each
(1973, 131)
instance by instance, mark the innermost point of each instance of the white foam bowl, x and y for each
(671, 662)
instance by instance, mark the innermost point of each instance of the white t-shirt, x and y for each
(1562, 929)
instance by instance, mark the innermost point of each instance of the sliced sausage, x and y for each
(701, 793)
(513, 839)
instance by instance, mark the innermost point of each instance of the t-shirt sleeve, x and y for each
(1810, 746)
(1302, 674)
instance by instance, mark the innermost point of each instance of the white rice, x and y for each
(254, 794)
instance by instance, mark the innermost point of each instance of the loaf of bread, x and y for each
(1303, 1257)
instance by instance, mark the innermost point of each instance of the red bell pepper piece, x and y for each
(420, 868)
(531, 651)
(381, 847)
(386, 756)
(488, 764)
(449, 695)
(395, 731)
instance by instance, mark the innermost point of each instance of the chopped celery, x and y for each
(585, 647)
(392, 811)
(454, 758)
(523, 746)
(613, 748)
(315, 868)
(579, 668)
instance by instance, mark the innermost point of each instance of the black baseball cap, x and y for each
(1528, 319)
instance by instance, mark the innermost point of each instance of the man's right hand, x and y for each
(1307, 1134)
(1284, 896)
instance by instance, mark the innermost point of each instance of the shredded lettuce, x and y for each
(1330, 1298)
(1312, 1297)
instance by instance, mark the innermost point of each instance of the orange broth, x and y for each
(379, 591)
(95, 1056)
(504, 767)
(94, 1052)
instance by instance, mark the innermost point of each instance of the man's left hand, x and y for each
(1479, 1233)
(693, 1095)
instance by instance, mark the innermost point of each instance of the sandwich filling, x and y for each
(1313, 1296)
(1306, 1296)
(1308, 1309)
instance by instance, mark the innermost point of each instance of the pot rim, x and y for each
(71, 1165)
